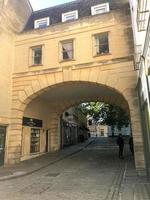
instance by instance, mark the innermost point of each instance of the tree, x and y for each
(114, 116)
(106, 114)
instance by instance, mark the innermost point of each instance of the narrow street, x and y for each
(95, 173)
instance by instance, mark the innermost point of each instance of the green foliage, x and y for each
(106, 113)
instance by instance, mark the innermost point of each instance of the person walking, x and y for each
(120, 142)
(131, 145)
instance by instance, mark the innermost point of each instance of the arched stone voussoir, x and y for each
(112, 82)
(102, 77)
(36, 86)
(22, 96)
(93, 75)
(43, 81)
(15, 113)
(59, 77)
(17, 104)
(83, 74)
(29, 90)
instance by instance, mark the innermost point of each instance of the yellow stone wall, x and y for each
(114, 74)
(13, 16)
(81, 31)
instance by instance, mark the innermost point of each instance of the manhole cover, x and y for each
(52, 174)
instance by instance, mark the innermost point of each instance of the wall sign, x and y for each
(32, 122)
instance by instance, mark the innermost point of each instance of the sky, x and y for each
(40, 4)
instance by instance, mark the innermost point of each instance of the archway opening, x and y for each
(41, 116)
(97, 121)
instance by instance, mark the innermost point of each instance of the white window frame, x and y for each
(104, 8)
(95, 52)
(37, 22)
(61, 59)
(67, 14)
(33, 55)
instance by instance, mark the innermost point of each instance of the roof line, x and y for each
(73, 1)
(30, 5)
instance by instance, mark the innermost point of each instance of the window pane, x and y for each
(35, 140)
(42, 24)
(67, 50)
(102, 45)
(100, 10)
(67, 46)
(37, 56)
(67, 55)
(103, 38)
(103, 49)
(70, 17)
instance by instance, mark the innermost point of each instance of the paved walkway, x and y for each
(84, 172)
(35, 164)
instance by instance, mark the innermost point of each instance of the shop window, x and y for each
(67, 50)
(100, 8)
(35, 140)
(101, 44)
(69, 16)
(37, 55)
(102, 132)
(41, 23)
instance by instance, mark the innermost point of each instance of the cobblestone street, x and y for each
(94, 173)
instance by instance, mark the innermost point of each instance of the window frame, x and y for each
(64, 15)
(61, 50)
(104, 5)
(37, 140)
(31, 55)
(36, 22)
(95, 53)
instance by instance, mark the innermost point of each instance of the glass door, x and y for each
(2, 144)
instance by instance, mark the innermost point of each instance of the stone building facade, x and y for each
(140, 13)
(73, 127)
(61, 56)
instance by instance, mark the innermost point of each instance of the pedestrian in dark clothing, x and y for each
(120, 142)
(131, 145)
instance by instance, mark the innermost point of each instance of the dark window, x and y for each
(90, 122)
(42, 24)
(102, 132)
(37, 56)
(101, 43)
(67, 50)
(35, 140)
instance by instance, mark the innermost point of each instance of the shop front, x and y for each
(34, 138)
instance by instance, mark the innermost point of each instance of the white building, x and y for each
(140, 14)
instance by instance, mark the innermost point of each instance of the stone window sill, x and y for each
(38, 65)
(67, 60)
(104, 54)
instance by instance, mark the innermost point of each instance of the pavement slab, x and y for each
(89, 171)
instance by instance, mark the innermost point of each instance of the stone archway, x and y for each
(119, 77)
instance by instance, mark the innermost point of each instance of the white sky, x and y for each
(40, 4)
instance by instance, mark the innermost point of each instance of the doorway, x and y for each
(2, 144)
(47, 141)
